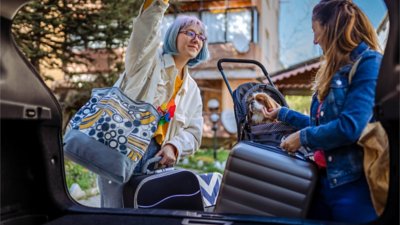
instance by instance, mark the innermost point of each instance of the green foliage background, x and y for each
(299, 103)
(80, 175)
(207, 156)
(50, 30)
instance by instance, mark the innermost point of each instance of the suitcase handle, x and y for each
(145, 168)
(248, 61)
(156, 159)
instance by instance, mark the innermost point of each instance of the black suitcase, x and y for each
(167, 188)
(263, 180)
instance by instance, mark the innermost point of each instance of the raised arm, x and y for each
(145, 39)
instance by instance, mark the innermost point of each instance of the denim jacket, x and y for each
(344, 113)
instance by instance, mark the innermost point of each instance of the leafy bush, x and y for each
(80, 175)
(203, 161)
(299, 103)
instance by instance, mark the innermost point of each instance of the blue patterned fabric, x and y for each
(210, 184)
(113, 119)
(110, 134)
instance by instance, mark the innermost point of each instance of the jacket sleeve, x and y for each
(356, 113)
(293, 118)
(144, 43)
(188, 139)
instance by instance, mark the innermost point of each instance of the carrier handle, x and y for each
(298, 154)
(248, 61)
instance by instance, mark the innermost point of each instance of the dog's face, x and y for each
(256, 102)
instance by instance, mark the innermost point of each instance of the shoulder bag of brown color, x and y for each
(375, 144)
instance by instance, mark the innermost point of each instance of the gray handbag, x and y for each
(110, 133)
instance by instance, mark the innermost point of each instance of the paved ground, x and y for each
(93, 201)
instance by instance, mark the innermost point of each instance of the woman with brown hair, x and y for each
(340, 109)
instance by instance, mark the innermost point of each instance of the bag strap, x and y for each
(351, 74)
(353, 69)
(120, 80)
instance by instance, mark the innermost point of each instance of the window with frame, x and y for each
(224, 26)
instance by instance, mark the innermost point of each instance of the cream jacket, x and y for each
(150, 77)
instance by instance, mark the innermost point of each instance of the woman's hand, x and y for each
(292, 143)
(168, 154)
(272, 114)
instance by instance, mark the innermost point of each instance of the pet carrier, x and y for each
(260, 178)
(268, 133)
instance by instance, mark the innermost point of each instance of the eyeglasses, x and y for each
(193, 35)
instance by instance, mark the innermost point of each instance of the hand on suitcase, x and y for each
(168, 154)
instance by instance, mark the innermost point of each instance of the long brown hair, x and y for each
(344, 27)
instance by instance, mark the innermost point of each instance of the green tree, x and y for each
(53, 31)
(61, 34)
(57, 34)
(299, 103)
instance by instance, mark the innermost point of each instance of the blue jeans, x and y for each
(112, 192)
(350, 202)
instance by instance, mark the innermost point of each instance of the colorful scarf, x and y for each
(167, 110)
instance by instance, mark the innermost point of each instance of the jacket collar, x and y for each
(357, 51)
(169, 62)
(186, 77)
(354, 55)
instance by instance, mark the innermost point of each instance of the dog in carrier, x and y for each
(253, 125)
(255, 105)
(248, 101)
